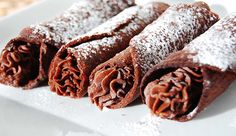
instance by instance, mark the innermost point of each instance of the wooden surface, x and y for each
(10, 6)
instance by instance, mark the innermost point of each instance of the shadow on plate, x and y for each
(224, 103)
(136, 102)
(17, 119)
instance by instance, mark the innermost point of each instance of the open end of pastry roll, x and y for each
(112, 82)
(67, 78)
(174, 92)
(19, 63)
(23, 63)
(111, 85)
(181, 93)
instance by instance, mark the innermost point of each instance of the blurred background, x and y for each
(10, 6)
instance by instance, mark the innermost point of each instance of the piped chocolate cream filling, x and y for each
(67, 80)
(19, 63)
(110, 85)
(176, 93)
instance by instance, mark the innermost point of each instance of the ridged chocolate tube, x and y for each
(116, 83)
(186, 82)
(25, 60)
(72, 65)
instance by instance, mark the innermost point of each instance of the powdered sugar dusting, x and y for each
(79, 19)
(233, 123)
(82, 134)
(147, 126)
(217, 47)
(115, 32)
(176, 27)
(112, 24)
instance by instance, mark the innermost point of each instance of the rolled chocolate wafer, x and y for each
(70, 69)
(116, 83)
(25, 60)
(187, 81)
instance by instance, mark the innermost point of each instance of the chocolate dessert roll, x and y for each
(187, 81)
(72, 65)
(116, 83)
(25, 60)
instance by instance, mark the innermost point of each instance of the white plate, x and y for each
(41, 113)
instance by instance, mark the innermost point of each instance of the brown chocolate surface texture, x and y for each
(25, 60)
(116, 83)
(73, 64)
(187, 81)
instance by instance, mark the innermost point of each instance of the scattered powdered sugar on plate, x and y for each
(233, 124)
(105, 109)
(217, 46)
(82, 134)
(147, 126)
